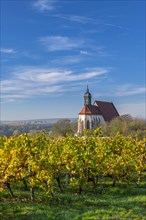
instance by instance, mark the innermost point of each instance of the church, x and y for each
(91, 116)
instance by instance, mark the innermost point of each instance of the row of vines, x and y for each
(42, 162)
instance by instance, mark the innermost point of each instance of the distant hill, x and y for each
(9, 128)
(48, 121)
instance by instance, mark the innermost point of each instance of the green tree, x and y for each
(16, 132)
(125, 125)
(64, 127)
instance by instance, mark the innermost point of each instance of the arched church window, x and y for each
(88, 124)
(92, 123)
(82, 126)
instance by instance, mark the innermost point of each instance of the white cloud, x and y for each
(129, 90)
(27, 82)
(12, 97)
(7, 50)
(44, 5)
(77, 18)
(12, 53)
(121, 91)
(64, 60)
(56, 43)
(82, 46)
(87, 20)
(56, 75)
(84, 52)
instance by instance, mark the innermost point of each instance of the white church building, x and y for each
(91, 116)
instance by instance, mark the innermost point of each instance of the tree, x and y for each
(64, 127)
(16, 132)
(125, 125)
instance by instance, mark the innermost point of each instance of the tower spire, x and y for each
(87, 97)
(87, 87)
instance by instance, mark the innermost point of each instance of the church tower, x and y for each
(87, 97)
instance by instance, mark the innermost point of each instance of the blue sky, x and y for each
(50, 49)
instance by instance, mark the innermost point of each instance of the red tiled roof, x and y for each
(90, 110)
(107, 110)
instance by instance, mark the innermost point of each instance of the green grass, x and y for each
(115, 203)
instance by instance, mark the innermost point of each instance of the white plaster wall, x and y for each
(98, 119)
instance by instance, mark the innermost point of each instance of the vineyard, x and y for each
(78, 162)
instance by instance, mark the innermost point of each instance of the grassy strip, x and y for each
(119, 203)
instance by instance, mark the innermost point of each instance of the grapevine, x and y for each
(40, 161)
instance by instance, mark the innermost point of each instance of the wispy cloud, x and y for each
(67, 60)
(57, 75)
(84, 52)
(7, 50)
(44, 5)
(12, 53)
(28, 82)
(79, 45)
(129, 90)
(87, 20)
(56, 43)
(78, 19)
(96, 51)
(120, 91)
